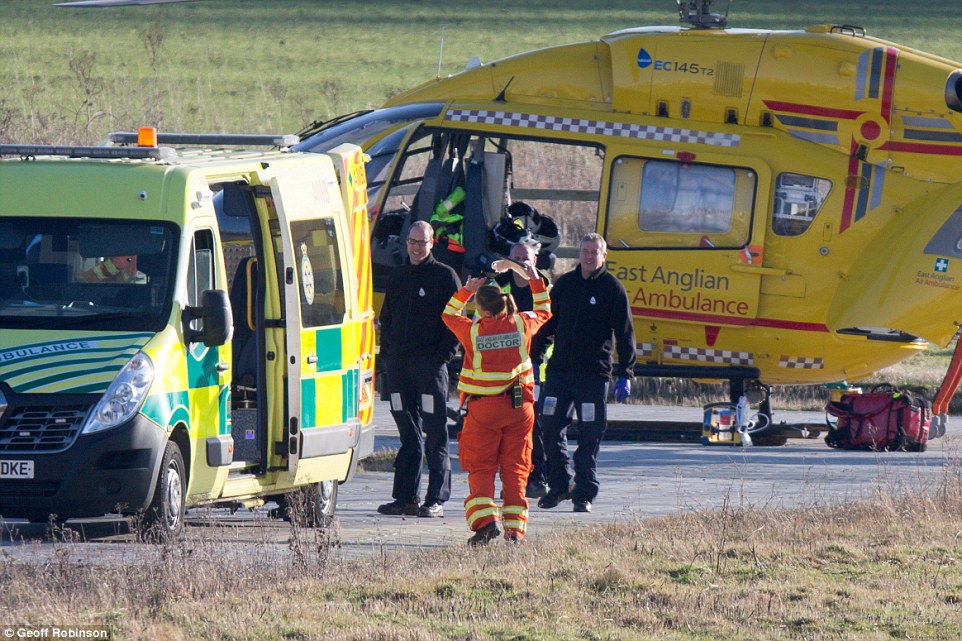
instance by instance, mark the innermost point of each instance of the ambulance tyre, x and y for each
(311, 506)
(164, 517)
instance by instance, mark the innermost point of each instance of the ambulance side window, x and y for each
(200, 270)
(317, 256)
(662, 203)
(798, 199)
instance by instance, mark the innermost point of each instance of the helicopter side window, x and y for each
(798, 199)
(658, 203)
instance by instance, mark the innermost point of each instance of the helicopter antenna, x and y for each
(440, 51)
(699, 15)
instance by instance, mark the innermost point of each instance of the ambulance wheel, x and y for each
(311, 506)
(164, 518)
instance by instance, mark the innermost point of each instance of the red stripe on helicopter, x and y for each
(786, 324)
(729, 320)
(812, 110)
(888, 87)
(922, 148)
(848, 205)
(708, 319)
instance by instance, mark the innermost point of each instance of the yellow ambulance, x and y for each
(182, 327)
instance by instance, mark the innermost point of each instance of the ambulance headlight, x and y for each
(124, 397)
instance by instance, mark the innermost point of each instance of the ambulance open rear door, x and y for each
(319, 299)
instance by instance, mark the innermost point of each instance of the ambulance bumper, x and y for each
(113, 471)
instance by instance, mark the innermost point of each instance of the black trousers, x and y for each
(417, 388)
(588, 395)
(539, 463)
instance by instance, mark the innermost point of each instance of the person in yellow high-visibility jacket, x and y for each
(497, 387)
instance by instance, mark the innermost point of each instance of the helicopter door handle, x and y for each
(311, 360)
(763, 271)
(223, 367)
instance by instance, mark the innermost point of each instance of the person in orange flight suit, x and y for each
(497, 387)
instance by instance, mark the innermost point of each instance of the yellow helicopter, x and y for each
(783, 207)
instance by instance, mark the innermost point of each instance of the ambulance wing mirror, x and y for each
(218, 323)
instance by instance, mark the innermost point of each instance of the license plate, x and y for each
(16, 469)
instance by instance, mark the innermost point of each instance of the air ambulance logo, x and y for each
(307, 275)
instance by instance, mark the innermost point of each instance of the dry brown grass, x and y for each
(884, 568)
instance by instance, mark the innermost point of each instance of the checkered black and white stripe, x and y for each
(800, 362)
(594, 127)
(645, 350)
(704, 355)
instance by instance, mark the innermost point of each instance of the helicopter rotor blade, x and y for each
(89, 4)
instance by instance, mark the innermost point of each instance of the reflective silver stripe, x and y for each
(454, 306)
(481, 500)
(480, 514)
(542, 302)
(497, 376)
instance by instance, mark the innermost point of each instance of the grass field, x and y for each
(887, 568)
(73, 75)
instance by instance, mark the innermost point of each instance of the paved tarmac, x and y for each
(638, 480)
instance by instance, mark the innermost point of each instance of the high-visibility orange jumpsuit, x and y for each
(495, 434)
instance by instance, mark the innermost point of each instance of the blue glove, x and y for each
(622, 389)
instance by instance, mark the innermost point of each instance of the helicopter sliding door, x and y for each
(684, 238)
(473, 177)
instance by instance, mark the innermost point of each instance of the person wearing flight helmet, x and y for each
(519, 287)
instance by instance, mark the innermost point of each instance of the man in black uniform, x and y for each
(511, 283)
(590, 311)
(416, 347)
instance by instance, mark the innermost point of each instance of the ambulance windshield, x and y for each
(85, 273)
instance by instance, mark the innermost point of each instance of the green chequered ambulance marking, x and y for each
(57, 382)
(328, 349)
(63, 366)
(308, 403)
(202, 372)
(77, 362)
(348, 395)
(167, 409)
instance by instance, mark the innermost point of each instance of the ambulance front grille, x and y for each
(41, 429)
(19, 489)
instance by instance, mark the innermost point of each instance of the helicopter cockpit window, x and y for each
(365, 127)
(659, 203)
(798, 199)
